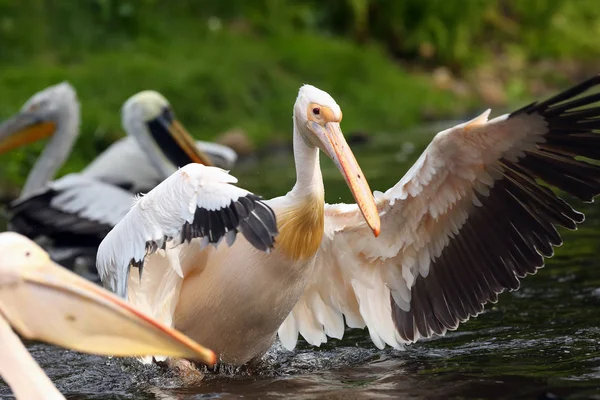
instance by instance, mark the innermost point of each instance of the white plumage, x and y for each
(90, 199)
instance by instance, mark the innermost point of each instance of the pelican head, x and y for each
(148, 113)
(39, 116)
(317, 117)
(43, 301)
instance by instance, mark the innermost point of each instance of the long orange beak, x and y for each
(22, 129)
(187, 144)
(46, 302)
(335, 146)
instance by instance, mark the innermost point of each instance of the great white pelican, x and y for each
(43, 301)
(77, 210)
(466, 222)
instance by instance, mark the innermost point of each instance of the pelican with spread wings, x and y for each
(471, 218)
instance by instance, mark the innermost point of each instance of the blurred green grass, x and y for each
(213, 90)
(233, 63)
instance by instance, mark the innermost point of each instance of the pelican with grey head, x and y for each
(76, 211)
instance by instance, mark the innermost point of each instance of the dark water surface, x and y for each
(536, 343)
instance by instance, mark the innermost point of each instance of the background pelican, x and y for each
(55, 112)
(464, 224)
(76, 211)
(43, 301)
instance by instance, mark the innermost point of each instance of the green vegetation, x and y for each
(236, 63)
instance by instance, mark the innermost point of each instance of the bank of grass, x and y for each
(224, 81)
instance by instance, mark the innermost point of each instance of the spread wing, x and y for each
(471, 217)
(195, 202)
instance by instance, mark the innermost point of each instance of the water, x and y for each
(536, 343)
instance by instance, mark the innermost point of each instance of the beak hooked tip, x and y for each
(374, 222)
(376, 230)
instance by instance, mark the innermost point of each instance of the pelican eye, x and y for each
(167, 114)
(316, 111)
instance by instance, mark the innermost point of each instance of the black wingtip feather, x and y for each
(572, 124)
(565, 95)
(248, 215)
(35, 218)
(260, 226)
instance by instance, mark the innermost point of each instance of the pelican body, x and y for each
(464, 224)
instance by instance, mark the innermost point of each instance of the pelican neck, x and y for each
(309, 179)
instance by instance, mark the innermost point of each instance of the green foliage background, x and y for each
(238, 63)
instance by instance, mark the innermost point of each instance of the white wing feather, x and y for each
(91, 206)
(90, 199)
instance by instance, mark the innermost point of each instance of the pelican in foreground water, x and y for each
(76, 211)
(43, 301)
(467, 221)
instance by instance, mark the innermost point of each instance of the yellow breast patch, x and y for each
(301, 228)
